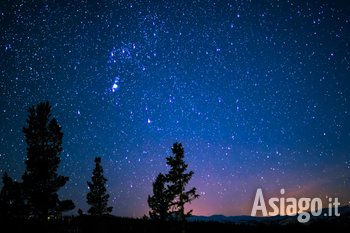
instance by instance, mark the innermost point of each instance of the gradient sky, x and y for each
(258, 93)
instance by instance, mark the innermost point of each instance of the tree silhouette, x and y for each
(11, 199)
(97, 197)
(178, 179)
(40, 181)
(160, 201)
(169, 195)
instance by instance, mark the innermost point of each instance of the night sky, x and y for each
(258, 93)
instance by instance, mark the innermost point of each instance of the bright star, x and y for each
(115, 87)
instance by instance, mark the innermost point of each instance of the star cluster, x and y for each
(257, 91)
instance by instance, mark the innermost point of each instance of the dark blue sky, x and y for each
(257, 92)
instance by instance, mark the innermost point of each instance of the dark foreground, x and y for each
(113, 224)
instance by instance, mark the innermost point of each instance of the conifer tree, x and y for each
(41, 182)
(178, 178)
(97, 197)
(160, 201)
(169, 190)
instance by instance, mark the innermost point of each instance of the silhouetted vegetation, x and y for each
(111, 224)
(36, 197)
(178, 179)
(97, 197)
(33, 205)
(41, 182)
(161, 200)
(169, 195)
(11, 199)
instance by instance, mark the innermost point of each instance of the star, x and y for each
(115, 87)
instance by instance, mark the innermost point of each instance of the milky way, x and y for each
(256, 91)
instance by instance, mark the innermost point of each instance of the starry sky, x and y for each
(256, 91)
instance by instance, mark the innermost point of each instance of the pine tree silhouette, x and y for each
(160, 201)
(178, 179)
(11, 199)
(41, 182)
(97, 197)
(169, 195)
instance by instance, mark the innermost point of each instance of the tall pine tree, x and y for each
(41, 182)
(169, 195)
(97, 197)
(160, 201)
(178, 178)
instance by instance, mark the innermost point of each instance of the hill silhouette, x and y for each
(214, 223)
(344, 212)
